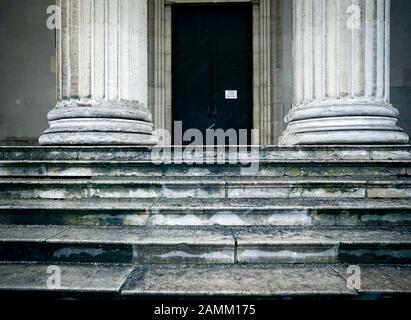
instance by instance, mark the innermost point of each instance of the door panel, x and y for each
(232, 113)
(212, 54)
(193, 92)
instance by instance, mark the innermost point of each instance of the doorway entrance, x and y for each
(212, 61)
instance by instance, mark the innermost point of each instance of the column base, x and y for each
(96, 138)
(364, 137)
(344, 122)
(99, 125)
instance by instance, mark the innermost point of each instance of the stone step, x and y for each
(285, 281)
(116, 245)
(251, 281)
(205, 245)
(274, 168)
(202, 188)
(268, 153)
(267, 244)
(75, 278)
(203, 212)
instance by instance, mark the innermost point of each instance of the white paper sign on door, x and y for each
(231, 94)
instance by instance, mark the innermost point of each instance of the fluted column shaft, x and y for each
(342, 74)
(102, 83)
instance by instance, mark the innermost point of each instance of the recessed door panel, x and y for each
(212, 67)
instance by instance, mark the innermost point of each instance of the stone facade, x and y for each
(341, 75)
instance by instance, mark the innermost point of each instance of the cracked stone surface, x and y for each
(382, 278)
(146, 235)
(236, 280)
(75, 278)
(264, 280)
(29, 233)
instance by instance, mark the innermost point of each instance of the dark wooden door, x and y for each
(212, 67)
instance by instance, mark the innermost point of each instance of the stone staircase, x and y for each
(118, 222)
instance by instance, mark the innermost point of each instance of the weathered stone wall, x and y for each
(27, 68)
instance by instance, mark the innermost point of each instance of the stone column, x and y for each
(342, 74)
(101, 75)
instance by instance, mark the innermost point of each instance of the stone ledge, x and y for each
(202, 188)
(203, 205)
(145, 169)
(275, 245)
(266, 153)
(381, 279)
(206, 245)
(176, 235)
(74, 278)
(270, 281)
(260, 281)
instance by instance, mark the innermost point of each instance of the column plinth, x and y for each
(102, 76)
(341, 74)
